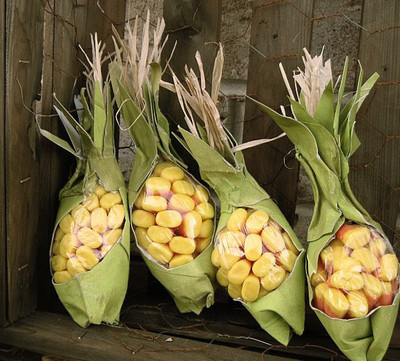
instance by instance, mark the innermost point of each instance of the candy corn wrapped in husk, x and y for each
(172, 214)
(257, 256)
(89, 255)
(352, 269)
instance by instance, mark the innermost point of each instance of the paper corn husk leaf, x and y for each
(281, 311)
(97, 295)
(324, 136)
(136, 89)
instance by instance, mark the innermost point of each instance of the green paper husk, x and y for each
(94, 296)
(281, 312)
(324, 143)
(191, 285)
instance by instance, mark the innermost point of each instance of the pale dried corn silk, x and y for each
(85, 235)
(173, 216)
(253, 254)
(357, 272)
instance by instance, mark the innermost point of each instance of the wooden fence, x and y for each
(32, 171)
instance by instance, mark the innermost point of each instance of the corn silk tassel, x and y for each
(351, 267)
(173, 217)
(89, 254)
(257, 256)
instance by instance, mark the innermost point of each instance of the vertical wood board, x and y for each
(376, 173)
(3, 238)
(24, 61)
(279, 32)
(193, 25)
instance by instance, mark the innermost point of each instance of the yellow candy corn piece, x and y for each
(160, 252)
(181, 203)
(141, 236)
(272, 239)
(154, 203)
(180, 259)
(289, 243)
(160, 166)
(112, 236)
(172, 174)
(159, 234)
(222, 277)
(348, 281)
(239, 271)
(99, 191)
(61, 276)
(366, 258)
(215, 257)
(91, 202)
(206, 210)
(182, 187)
(274, 277)
(202, 244)
(237, 220)
(200, 194)
(250, 288)
(256, 222)
(207, 229)
(98, 220)
(157, 186)
(286, 259)
(191, 224)
(69, 245)
(356, 237)
(89, 237)
(169, 219)
(253, 247)
(182, 245)
(87, 256)
(58, 263)
(59, 234)
(143, 219)
(81, 216)
(116, 216)
(74, 266)
(109, 200)
(389, 267)
(263, 264)
(358, 304)
(139, 200)
(235, 291)
(67, 224)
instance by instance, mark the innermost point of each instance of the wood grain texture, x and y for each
(376, 174)
(3, 239)
(24, 62)
(279, 32)
(59, 336)
(193, 25)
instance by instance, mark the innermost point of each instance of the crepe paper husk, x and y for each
(282, 311)
(192, 285)
(97, 295)
(327, 167)
(94, 296)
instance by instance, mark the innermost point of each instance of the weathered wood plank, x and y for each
(231, 324)
(376, 177)
(279, 32)
(3, 239)
(59, 336)
(191, 24)
(24, 61)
